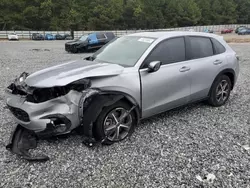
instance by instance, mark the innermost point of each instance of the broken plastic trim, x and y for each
(19, 86)
(57, 121)
(21, 141)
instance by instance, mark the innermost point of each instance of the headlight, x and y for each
(46, 94)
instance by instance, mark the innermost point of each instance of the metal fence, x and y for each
(77, 34)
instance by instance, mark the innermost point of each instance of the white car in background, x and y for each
(12, 36)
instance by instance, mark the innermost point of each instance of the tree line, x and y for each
(119, 14)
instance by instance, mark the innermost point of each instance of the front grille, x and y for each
(19, 114)
(67, 47)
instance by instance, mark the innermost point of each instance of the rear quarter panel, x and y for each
(231, 57)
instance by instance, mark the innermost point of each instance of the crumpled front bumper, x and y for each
(51, 118)
(21, 141)
(42, 117)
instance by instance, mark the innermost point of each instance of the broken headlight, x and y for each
(40, 95)
(45, 94)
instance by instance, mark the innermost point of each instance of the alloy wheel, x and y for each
(117, 124)
(222, 91)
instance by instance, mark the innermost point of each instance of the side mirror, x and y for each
(154, 66)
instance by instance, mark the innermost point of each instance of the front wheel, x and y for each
(114, 124)
(220, 91)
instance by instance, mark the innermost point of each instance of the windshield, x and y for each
(124, 51)
(83, 38)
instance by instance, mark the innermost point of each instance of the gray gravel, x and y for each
(175, 149)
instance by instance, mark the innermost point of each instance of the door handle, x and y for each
(217, 62)
(185, 69)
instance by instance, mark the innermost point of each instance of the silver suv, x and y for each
(133, 77)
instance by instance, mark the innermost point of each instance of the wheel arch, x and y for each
(127, 98)
(228, 72)
(92, 103)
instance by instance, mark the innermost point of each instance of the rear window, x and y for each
(218, 47)
(201, 47)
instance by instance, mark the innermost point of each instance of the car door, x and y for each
(92, 41)
(207, 58)
(169, 87)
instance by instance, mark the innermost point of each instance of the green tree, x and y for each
(119, 14)
(243, 11)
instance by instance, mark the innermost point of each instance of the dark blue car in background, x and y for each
(93, 41)
(49, 37)
(245, 31)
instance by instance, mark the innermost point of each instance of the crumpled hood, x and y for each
(67, 73)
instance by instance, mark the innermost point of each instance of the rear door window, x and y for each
(100, 36)
(110, 35)
(218, 47)
(201, 47)
(168, 51)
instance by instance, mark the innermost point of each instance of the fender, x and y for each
(129, 99)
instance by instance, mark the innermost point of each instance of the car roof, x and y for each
(168, 34)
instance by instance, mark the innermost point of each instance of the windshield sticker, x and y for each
(147, 40)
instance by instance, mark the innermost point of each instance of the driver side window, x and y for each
(169, 51)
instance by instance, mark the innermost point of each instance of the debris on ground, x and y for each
(209, 178)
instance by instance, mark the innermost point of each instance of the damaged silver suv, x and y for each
(133, 77)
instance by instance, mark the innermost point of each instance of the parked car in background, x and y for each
(131, 78)
(37, 36)
(49, 36)
(208, 31)
(93, 41)
(245, 31)
(59, 37)
(13, 36)
(240, 28)
(225, 31)
(67, 37)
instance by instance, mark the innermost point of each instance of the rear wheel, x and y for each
(220, 91)
(113, 125)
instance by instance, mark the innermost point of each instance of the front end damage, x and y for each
(47, 112)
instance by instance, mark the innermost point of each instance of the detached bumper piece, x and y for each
(21, 141)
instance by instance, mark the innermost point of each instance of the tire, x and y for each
(220, 91)
(100, 130)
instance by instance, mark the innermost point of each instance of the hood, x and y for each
(75, 42)
(67, 73)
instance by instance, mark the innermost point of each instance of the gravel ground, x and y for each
(179, 148)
